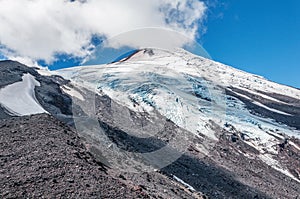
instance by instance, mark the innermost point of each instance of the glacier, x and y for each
(191, 91)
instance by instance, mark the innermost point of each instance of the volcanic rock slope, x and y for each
(42, 155)
(219, 132)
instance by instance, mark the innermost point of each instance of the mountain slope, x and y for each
(200, 125)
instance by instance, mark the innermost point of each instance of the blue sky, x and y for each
(258, 36)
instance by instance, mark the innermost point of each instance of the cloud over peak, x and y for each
(39, 30)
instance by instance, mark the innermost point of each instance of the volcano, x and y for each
(154, 124)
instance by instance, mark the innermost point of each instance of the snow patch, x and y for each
(72, 92)
(270, 109)
(294, 145)
(276, 165)
(262, 95)
(241, 95)
(184, 183)
(44, 71)
(19, 98)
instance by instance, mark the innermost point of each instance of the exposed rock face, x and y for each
(11, 72)
(3, 113)
(48, 94)
(289, 105)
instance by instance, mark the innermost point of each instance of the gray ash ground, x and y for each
(41, 157)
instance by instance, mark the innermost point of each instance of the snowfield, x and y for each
(19, 98)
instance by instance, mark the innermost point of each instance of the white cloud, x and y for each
(150, 38)
(39, 29)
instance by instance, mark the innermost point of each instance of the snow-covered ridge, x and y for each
(19, 98)
(226, 75)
